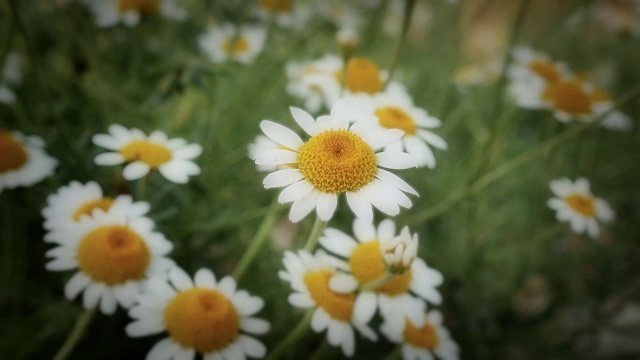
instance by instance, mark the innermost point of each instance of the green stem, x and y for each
(318, 354)
(78, 330)
(294, 336)
(406, 20)
(314, 235)
(257, 242)
(141, 187)
(395, 354)
(377, 283)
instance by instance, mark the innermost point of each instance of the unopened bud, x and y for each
(348, 40)
(400, 252)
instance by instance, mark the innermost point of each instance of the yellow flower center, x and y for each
(337, 161)
(146, 151)
(338, 306)
(113, 255)
(12, 153)
(237, 46)
(277, 5)
(585, 205)
(425, 337)
(599, 95)
(393, 117)
(88, 207)
(202, 319)
(143, 6)
(568, 96)
(363, 75)
(546, 70)
(367, 265)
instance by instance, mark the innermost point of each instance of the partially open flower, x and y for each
(400, 252)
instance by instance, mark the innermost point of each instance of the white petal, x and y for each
(108, 302)
(254, 325)
(391, 160)
(76, 284)
(343, 283)
(282, 178)
(135, 170)
(305, 120)
(359, 205)
(281, 134)
(251, 346)
(204, 278)
(338, 242)
(320, 320)
(301, 300)
(295, 191)
(420, 151)
(363, 230)
(433, 139)
(164, 349)
(395, 181)
(277, 157)
(180, 280)
(302, 207)
(109, 159)
(365, 307)
(189, 152)
(326, 205)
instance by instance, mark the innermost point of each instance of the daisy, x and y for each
(424, 342)
(338, 158)
(23, 161)
(171, 157)
(111, 12)
(11, 75)
(202, 315)
(75, 201)
(481, 74)
(315, 82)
(225, 42)
(395, 110)
(369, 260)
(309, 276)
(113, 254)
(575, 204)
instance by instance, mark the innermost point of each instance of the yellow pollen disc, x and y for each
(393, 117)
(585, 205)
(568, 96)
(13, 155)
(363, 75)
(338, 306)
(143, 6)
(202, 319)
(546, 70)
(425, 337)
(277, 5)
(87, 208)
(337, 161)
(367, 265)
(113, 255)
(237, 46)
(146, 151)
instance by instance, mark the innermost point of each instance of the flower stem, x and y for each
(406, 20)
(141, 187)
(395, 354)
(314, 235)
(78, 330)
(293, 337)
(257, 242)
(377, 283)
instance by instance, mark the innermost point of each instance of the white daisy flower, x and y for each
(171, 157)
(395, 110)
(202, 315)
(316, 82)
(113, 254)
(259, 145)
(287, 14)
(339, 158)
(226, 42)
(23, 161)
(129, 12)
(529, 64)
(481, 74)
(575, 204)
(365, 255)
(310, 276)
(424, 342)
(11, 76)
(72, 202)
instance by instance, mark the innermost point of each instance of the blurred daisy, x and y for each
(424, 342)
(113, 254)
(531, 65)
(285, 13)
(315, 82)
(171, 157)
(575, 204)
(362, 76)
(339, 158)
(23, 161)
(11, 76)
(202, 316)
(309, 276)
(473, 75)
(72, 202)
(395, 110)
(370, 258)
(129, 12)
(341, 14)
(226, 42)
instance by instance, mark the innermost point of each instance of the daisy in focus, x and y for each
(226, 42)
(342, 156)
(202, 315)
(426, 342)
(113, 254)
(11, 76)
(574, 203)
(310, 276)
(23, 161)
(171, 157)
(129, 12)
(378, 255)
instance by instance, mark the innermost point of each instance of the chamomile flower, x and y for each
(309, 276)
(129, 12)
(23, 161)
(425, 342)
(113, 254)
(171, 157)
(395, 110)
(226, 42)
(338, 158)
(202, 315)
(531, 65)
(368, 261)
(315, 82)
(11, 76)
(574, 203)
(70, 203)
